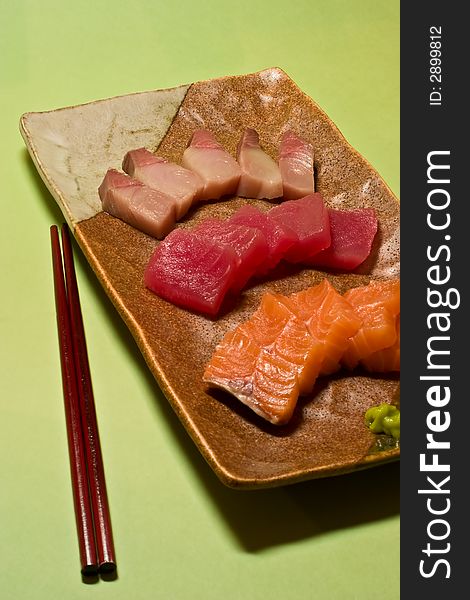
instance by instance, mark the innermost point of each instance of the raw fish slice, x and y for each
(267, 361)
(378, 304)
(278, 237)
(378, 332)
(260, 175)
(267, 322)
(352, 234)
(304, 352)
(243, 352)
(262, 381)
(219, 171)
(330, 318)
(131, 201)
(276, 388)
(233, 362)
(181, 184)
(308, 218)
(376, 293)
(248, 243)
(291, 340)
(296, 166)
(387, 360)
(191, 272)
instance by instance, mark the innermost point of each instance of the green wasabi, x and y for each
(384, 419)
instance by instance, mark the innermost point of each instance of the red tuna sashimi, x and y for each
(352, 234)
(308, 218)
(181, 184)
(131, 201)
(261, 177)
(248, 243)
(296, 166)
(279, 237)
(218, 170)
(191, 272)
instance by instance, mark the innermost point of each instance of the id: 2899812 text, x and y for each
(435, 65)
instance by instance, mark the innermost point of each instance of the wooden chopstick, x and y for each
(78, 470)
(86, 463)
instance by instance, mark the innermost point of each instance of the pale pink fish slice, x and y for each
(174, 180)
(296, 158)
(261, 177)
(142, 207)
(218, 170)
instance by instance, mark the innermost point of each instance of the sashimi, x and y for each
(260, 175)
(329, 317)
(219, 171)
(267, 361)
(293, 343)
(191, 272)
(277, 354)
(378, 305)
(148, 210)
(308, 218)
(174, 180)
(279, 237)
(296, 158)
(386, 360)
(234, 367)
(248, 243)
(352, 234)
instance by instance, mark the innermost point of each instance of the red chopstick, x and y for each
(86, 462)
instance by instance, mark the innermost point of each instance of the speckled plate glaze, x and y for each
(73, 147)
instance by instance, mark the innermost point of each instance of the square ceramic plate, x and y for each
(73, 147)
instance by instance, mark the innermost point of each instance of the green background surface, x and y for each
(179, 533)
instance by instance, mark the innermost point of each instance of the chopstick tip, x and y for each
(107, 567)
(90, 570)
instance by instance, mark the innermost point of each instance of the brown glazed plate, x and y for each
(73, 147)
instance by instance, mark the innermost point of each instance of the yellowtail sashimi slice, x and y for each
(174, 180)
(148, 210)
(296, 158)
(217, 168)
(260, 175)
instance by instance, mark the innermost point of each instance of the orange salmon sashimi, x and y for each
(386, 360)
(268, 361)
(295, 344)
(378, 304)
(329, 318)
